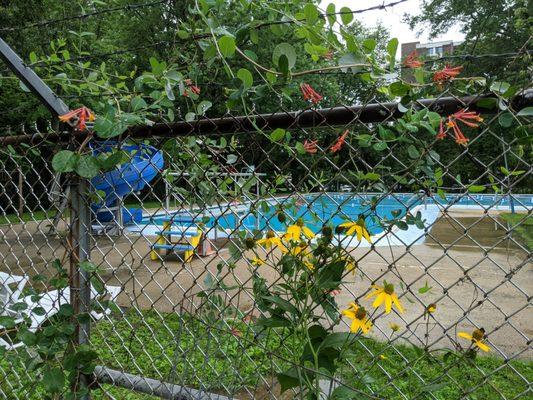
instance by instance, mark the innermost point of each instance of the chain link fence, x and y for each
(374, 249)
(186, 257)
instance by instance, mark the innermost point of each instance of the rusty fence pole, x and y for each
(79, 282)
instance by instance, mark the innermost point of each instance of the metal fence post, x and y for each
(80, 285)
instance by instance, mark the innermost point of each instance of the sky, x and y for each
(392, 19)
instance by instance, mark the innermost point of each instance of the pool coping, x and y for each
(395, 237)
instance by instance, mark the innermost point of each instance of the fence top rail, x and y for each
(308, 118)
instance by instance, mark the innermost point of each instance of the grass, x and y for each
(187, 352)
(524, 231)
(49, 214)
(26, 217)
(417, 374)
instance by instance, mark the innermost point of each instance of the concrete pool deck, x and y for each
(458, 269)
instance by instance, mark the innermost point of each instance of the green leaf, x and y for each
(203, 107)
(371, 176)
(87, 166)
(138, 103)
(413, 152)
(311, 13)
(488, 103)
(369, 45)
(419, 75)
(506, 119)
(288, 51)
(380, 146)
(300, 148)
(344, 393)
(33, 57)
(227, 46)
(476, 188)
(103, 126)
(499, 87)
(330, 11)
(392, 47)
(88, 266)
(425, 288)
(273, 322)
(64, 161)
(288, 379)
(346, 15)
(246, 77)
(338, 340)
(182, 34)
(283, 304)
(53, 379)
(277, 134)
(399, 89)
(525, 112)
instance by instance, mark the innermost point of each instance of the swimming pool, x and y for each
(335, 208)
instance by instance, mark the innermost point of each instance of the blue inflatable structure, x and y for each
(144, 165)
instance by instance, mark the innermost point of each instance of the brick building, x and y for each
(425, 50)
(433, 49)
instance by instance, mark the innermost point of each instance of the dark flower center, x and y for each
(360, 313)
(478, 334)
(389, 288)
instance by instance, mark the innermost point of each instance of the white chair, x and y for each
(9, 296)
(51, 302)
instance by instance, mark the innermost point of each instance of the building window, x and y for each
(435, 51)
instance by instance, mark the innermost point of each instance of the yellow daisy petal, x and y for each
(465, 335)
(366, 235)
(482, 346)
(379, 300)
(388, 304)
(308, 232)
(346, 224)
(396, 301)
(356, 325)
(359, 231)
(351, 230)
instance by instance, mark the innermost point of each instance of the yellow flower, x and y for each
(383, 357)
(385, 295)
(295, 232)
(477, 338)
(358, 315)
(351, 264)
(358, 227)
(271, 240)
(394, 327)
(431, 308)
(256, 262)
(300, 249)
(309, 265)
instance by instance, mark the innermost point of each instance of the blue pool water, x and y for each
(334, 209)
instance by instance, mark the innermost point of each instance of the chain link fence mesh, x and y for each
(180, 282)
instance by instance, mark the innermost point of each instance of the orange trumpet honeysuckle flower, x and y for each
(78, 118)
(340, 142)
(412, 61)
(190, 87)
(442, 132)
(460, 138)
(469, 118)
(309, 94)
(310, 146)
(447, 73)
